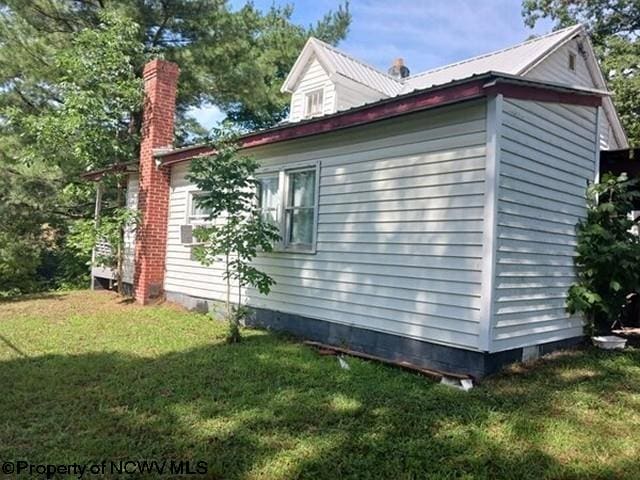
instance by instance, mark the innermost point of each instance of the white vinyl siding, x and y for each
(349, 96)
(314, 79)
(555, 68)
(399, 239)
(607, 140)
(128, 265)
(547, 158)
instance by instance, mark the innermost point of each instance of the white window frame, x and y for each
(284, 172)
(271, 174)
(194, 219)
(309, 112)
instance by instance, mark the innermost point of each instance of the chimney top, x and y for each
(399, 69)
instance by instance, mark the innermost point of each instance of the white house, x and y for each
(428, 218)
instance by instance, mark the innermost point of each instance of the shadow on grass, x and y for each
(268, 408)
(126, 301)
(33, 296)
(11, 346)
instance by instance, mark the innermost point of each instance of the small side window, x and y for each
(313, 104)
(572, 61)
(197, 213)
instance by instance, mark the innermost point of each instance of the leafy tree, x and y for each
(608, 254)
(235, 59)
(26, 230)
(70, 72)
(89, 123)
(229, 185)
(22, 239)
(614, 26)
(86, 234)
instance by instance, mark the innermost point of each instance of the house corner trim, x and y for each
(490, 226)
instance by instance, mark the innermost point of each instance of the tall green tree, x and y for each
(614, 26)
(61, 111)
(88, 122)
(87, 125)
(235, 59)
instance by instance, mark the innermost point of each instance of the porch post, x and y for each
(96, 218)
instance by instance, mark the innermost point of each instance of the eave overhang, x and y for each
(475, 87)
(121, 168)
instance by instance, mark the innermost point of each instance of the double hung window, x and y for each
(288, 198)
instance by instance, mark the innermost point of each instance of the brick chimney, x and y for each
(158, 117)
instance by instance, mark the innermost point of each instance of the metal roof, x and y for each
(356, 70)
(513, 60)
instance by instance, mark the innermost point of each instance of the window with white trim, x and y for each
(314, 103)
(289, 198)
(269, 197)
(300, 208)
(196, 212)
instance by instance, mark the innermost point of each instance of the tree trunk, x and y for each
(232, 317)
(228, 302)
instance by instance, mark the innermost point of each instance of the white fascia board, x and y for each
(609, 108)
(310, 49)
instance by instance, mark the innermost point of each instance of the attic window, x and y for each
(572, 61)
(314, 103)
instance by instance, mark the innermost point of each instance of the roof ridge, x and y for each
(576, 27)
(357, 60)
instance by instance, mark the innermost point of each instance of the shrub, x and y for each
(608, 254)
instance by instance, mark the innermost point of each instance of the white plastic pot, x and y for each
(609, 342)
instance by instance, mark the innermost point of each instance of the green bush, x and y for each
(608, 254)
(19, 262)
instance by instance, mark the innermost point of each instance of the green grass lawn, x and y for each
(87, 378)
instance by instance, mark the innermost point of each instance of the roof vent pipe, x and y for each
(399, 69)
